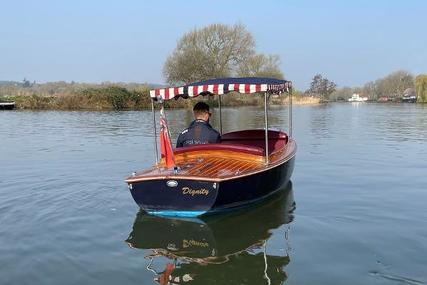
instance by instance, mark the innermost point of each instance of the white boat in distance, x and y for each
(356, 98)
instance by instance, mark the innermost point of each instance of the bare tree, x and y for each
(394, 84)
(370, 90)
(261, 66)
(213, 51)
(218, 51)
(341, 94)
(321, 87)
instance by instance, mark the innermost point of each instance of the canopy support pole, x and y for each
(155, 132)
(290, 111)
(220, 115)
(266, 127)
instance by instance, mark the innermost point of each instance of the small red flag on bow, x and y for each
(165, 142)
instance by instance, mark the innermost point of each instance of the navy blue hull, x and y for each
(238, 192)
(190, 198)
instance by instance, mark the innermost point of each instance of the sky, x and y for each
(94, 41)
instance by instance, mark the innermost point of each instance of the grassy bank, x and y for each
(93, 98)
(121, 98)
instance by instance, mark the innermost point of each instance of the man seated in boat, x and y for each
(199, 131)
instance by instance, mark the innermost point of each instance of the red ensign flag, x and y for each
(165, 142)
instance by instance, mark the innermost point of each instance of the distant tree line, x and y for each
(73, 96)
(108, 96)
(391, 87)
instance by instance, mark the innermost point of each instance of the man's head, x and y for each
(201, 111)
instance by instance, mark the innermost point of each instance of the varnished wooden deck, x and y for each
(215, 165)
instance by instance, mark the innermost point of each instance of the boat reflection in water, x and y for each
(229, 248)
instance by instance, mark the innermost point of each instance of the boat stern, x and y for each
(174, 197)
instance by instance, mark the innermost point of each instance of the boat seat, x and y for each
(222, 146)
(256, 138)
(247, 141)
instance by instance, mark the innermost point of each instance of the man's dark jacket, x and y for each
(199, 132)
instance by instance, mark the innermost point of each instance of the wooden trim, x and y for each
(244, 160)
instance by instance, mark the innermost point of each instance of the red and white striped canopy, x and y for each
(245, 85)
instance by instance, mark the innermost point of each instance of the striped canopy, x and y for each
(244, 85)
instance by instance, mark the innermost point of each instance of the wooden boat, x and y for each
(203, 247)
(246, 166)
(7, 105)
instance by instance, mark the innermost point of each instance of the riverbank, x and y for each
(121, 98)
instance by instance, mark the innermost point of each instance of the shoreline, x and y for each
(134, 101)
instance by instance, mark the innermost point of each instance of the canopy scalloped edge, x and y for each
(244, 85)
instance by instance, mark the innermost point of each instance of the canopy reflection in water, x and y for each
(218, 249)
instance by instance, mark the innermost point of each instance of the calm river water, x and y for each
(359, 186)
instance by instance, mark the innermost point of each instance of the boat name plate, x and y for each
(192, 192)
